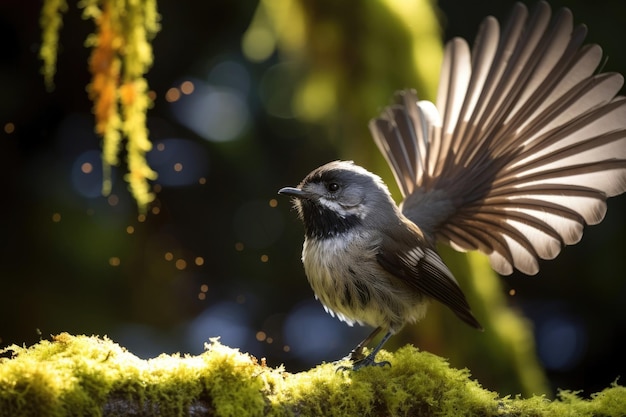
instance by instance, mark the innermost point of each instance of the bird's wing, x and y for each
(525, 145)
(422, 269)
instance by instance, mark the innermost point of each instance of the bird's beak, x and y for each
(293, 192)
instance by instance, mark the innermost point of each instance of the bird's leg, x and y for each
(370, 360)
(356, 354)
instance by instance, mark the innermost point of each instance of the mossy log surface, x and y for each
(81, 375)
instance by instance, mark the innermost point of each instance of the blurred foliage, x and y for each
(505, 355)
(121, 55)
(348, 60)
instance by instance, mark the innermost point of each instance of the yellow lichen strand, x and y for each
(50, 22)
(121, 56)
(95, 376)
(135, 103)
(105, 66)
(140, 25)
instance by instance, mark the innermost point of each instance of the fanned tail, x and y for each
(523, 148)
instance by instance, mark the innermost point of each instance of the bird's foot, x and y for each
(355, 355)
(359, 360)
(362, 362)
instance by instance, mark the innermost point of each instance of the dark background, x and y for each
(62, 240)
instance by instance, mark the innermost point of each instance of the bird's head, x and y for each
(339, 196)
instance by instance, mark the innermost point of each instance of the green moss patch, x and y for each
(80, 375)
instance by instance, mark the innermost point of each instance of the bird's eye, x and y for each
(332, 187)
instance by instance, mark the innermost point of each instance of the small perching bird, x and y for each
(520, 152)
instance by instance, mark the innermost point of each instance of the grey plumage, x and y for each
(365, 261)
(525, 143)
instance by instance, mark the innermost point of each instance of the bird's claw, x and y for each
(361, 363)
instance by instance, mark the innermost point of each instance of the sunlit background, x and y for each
(218, 252)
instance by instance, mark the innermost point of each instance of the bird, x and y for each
(524, 144)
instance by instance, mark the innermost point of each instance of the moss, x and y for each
(80, 375)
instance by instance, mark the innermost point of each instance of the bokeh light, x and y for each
(172, 95)
(178, 162)
(258, 44)
(217, 109)
(561, 342)
(231, 74)
(214, 113)
(227, 320)
(87, 174)
(276, 90)
(313, 335)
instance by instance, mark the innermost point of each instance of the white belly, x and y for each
(355, 287)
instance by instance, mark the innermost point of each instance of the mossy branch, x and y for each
(80, 375)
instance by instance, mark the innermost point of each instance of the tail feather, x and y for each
(524, 146)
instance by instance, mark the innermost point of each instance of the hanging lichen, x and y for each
(50, 22)
(121, 55)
